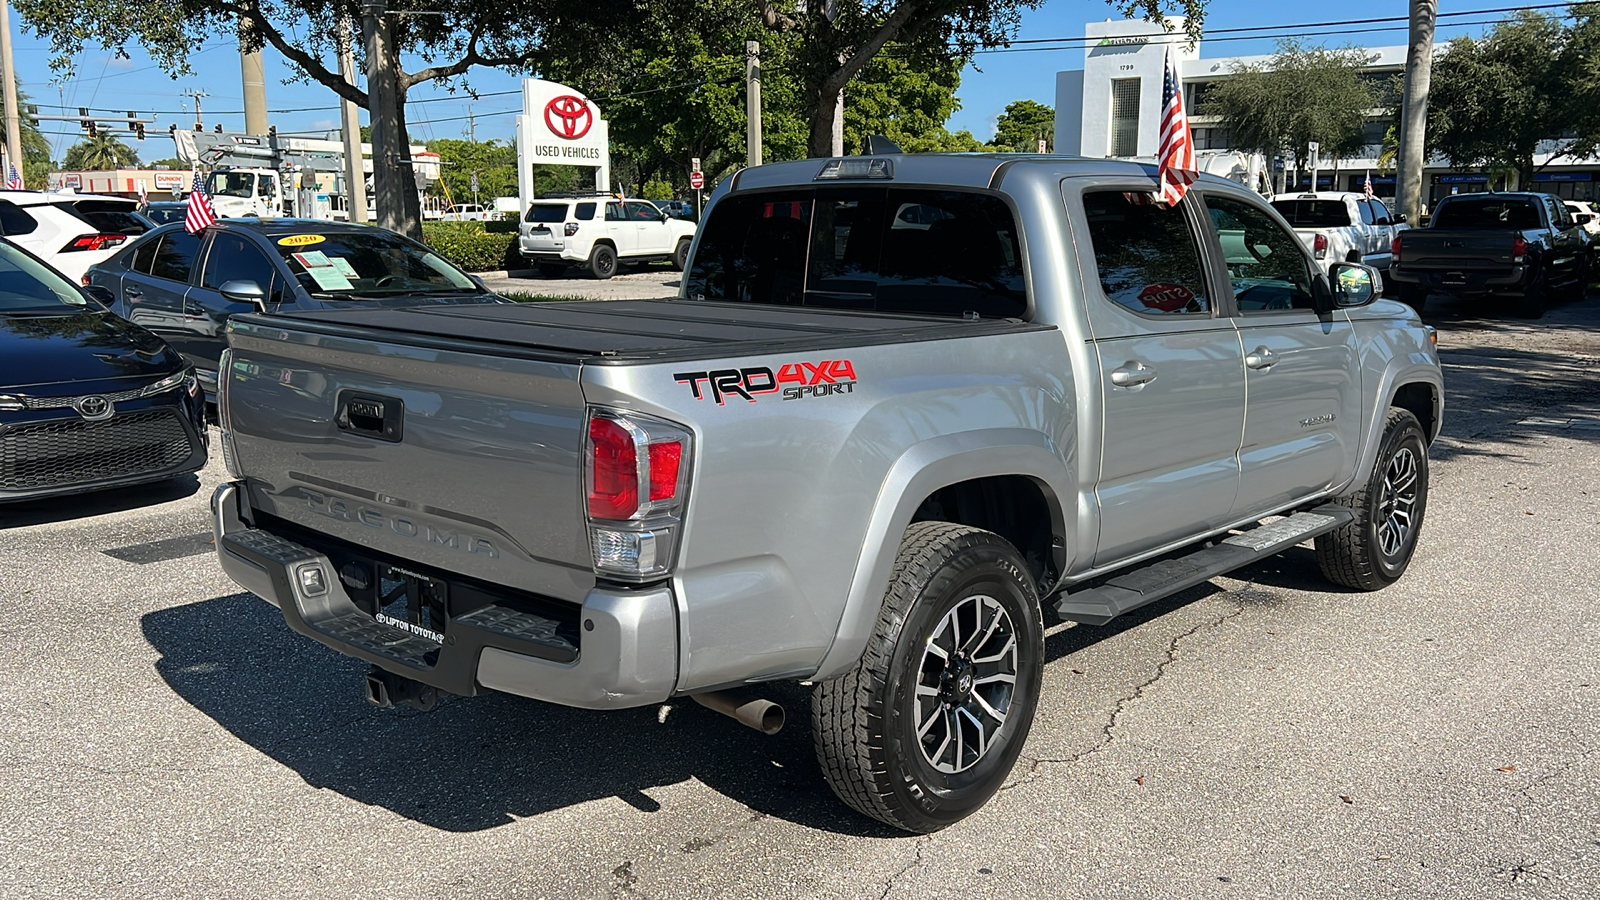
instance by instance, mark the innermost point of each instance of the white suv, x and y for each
(1342, 227)
(71, 232)
(599, 232)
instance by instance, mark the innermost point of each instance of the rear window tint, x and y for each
(1313, 213)
(857, 247)
(1490, 212)
(546, 212)
(1145, 254)
(175, 257)
(15, 220)
(585, 212)
(107, 215)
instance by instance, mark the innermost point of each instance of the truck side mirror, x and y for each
(1582, 218)
(1353, 285)
(1399, 218)
(241, 291)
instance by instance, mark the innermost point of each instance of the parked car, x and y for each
(678, 209)
(184, 287)
(1585, 214)
(163, 212)
(70, 232)
(87, 401)
(1342, 227)
(1517, 247)
(865, 449)
(600, 232)
(467, 212)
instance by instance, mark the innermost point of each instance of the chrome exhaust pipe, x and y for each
(762, 715)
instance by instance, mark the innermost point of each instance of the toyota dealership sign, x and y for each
(560, 126)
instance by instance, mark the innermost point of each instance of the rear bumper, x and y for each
(621, 650)
(1457, 282)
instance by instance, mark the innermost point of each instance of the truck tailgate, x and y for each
(464, 462)
(482, 471)
(1457, 251)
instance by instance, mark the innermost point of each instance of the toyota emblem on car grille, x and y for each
(94, 407)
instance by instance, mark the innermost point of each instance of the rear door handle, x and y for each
(134, 293)
(1132, 374)
(1260, 358)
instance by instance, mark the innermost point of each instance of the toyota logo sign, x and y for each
(568, 117)
(94, 408)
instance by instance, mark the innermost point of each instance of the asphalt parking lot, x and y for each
(1264, 735)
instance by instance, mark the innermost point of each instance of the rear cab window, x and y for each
(947, 253)
(1487, 212)
(1303, 213)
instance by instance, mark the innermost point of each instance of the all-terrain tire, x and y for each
(603, 261)
(1373, 550)
(552, 270)
(1531, 304)
(680, 255)
(894, 735)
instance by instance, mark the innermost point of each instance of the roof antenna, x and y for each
(878, 145)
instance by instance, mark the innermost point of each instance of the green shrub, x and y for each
(469, 246)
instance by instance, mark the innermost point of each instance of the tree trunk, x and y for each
(1414, 109)
(820, 141)
(410, 223)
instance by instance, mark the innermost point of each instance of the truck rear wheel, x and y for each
(1372, 552)
(680, 255)
(928, 724)
(602, 261)
(1531, 304)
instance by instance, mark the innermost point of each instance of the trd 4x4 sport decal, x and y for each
(794, 380)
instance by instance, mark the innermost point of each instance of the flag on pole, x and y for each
(1176, 167)
(13, 178)
(199, 214)
(1366, 187)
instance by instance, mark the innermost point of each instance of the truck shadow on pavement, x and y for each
(98, 503)
(475, 763)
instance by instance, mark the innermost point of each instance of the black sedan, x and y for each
(184, 286)
(87, 400)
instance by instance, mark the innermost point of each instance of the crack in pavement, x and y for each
(1107, 732)
(917, 861)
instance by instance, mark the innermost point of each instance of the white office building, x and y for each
(1112, 108)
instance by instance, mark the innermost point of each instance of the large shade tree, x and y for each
(1529, 87)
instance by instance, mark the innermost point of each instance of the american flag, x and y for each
(1176, 165)
(14, 179)
(199, 214)
(1366, 187)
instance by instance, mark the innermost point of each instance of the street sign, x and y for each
(697, 180)
(474, 182)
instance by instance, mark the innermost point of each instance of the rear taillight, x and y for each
(94, 242)
(1394, 250)
(1519, 249)
(635, 479)
(1319, 246)
(571, 229)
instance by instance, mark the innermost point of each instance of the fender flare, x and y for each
(1393, 379)
(918, 472)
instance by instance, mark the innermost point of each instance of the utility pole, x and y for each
(1414, 110)
(472, 126)
(355, 170)
(197, 94)
(254, 77)
(9, 93)
(752, 102)
(392, 176)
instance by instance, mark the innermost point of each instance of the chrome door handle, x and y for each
(133, 292)
(1260, 358)
(1132, 374)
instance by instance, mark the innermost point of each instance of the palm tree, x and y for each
(102, 151)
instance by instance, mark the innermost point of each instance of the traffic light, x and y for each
(93, 129)
(138, 130)
(33, 115)
(83, 119)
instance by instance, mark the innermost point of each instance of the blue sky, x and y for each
(995, 79)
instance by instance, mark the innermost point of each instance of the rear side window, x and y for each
(1313, 213)
(1368, 216)
(1489, 212)
(956, 253)
(1146, 254)
(144, 256)
(546, 212)
(175, 257)
(15, 220)
(585, 212)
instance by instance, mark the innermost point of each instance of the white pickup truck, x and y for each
(1342, 227)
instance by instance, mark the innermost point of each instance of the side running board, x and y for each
(1099, 605)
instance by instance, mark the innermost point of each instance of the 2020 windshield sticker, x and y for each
(793, 381)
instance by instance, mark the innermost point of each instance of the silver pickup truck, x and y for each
(903, 407)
